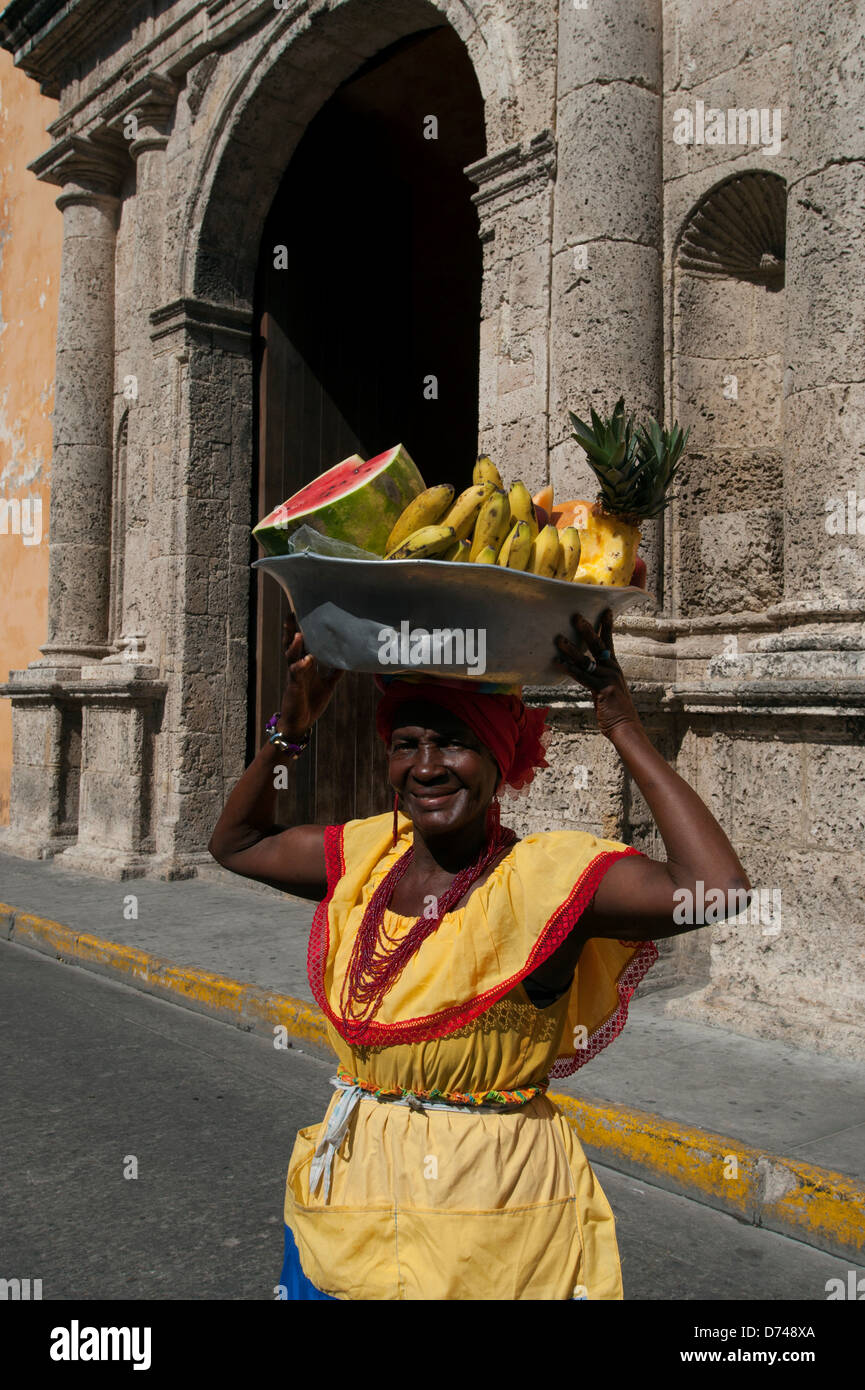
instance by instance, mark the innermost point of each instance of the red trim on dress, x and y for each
(567, 1063)
(438, 1025)
(334, 863)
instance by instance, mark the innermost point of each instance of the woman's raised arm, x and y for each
(245, 839)
(640, 898)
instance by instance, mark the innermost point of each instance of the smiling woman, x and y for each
(459, 970)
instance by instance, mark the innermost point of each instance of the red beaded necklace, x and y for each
(378, 959)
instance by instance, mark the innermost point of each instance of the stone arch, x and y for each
(727, 379)
(207, 330)
(271, 103)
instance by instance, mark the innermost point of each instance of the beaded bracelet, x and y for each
(280, 741)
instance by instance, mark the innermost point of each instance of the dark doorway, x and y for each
(381, 292)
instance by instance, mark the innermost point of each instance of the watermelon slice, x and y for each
(353, 501)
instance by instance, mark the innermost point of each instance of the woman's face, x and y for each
(445, 776)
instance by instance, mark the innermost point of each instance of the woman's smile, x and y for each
(435, 799)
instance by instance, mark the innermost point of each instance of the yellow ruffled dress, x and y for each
(491, 1197)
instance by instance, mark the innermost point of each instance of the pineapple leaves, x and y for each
(634, 466)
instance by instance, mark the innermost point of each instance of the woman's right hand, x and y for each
(308, 687)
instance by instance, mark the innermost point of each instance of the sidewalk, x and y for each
(773, 1133)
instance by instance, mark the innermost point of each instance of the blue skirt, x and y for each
(294, 1285)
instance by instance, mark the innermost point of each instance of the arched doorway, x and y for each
(380, 293)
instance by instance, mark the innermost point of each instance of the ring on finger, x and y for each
(592, 666)
(605, 655)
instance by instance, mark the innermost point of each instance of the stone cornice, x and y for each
(150, 99)
(798, 699)
(499, 176)
(195, 316)
(47, 37)
(97, 164)
(795, 698)
(778, 615)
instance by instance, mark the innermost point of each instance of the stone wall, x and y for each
(719, 280)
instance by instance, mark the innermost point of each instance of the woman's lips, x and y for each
(430, 800)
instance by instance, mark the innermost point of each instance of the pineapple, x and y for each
(634, 468)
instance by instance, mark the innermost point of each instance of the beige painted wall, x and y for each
(31, 230)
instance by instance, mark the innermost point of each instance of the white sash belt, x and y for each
(328, 1144)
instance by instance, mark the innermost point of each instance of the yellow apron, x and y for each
(443, 1170)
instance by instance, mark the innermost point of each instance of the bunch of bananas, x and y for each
(485, 525)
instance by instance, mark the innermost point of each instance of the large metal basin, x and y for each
(502, 622)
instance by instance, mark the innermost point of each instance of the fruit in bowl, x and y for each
(634, 468)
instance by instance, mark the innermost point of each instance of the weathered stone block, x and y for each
(609, 42)
(835, 797)
(608, 152)
(766, 792)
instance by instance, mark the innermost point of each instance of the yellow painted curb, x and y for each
(717, 1169)
(249, 1006)
(815, 1205)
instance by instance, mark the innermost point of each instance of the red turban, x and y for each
(513, 732)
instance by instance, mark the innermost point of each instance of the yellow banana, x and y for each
(546, 552)
(424, 510)
(487, 556)
(429, 540)
(569, 540)
(522, 508)
(519, 544)
(485, 471)
(492, 525)
(505, 551)
(463, 513)
(458, 551)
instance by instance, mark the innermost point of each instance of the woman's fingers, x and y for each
(605, 629)
(586, 632)
(294, 648)
(582, 665)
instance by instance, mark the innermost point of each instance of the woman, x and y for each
(459, 969)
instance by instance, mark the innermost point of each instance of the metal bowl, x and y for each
(493, 624)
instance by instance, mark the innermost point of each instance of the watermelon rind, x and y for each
(362, 510)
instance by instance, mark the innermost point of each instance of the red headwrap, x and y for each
(511, 731)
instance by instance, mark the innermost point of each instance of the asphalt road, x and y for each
(99, 1081)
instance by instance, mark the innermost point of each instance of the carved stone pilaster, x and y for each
(514, 202)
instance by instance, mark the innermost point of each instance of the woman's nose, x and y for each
(427, 761)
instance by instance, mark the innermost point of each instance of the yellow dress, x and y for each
(493, 1197)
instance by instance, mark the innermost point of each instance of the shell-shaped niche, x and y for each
(738, 229)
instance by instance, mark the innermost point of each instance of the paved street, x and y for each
(94, 1076)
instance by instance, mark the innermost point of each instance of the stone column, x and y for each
(47, 718)
(824, 385)
(606, 329)
(122, 695)
(79, 537)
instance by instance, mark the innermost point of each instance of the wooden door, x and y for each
(369, 282)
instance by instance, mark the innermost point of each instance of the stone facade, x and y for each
(671, 208)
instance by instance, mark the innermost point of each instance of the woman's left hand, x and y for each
(591, 661)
